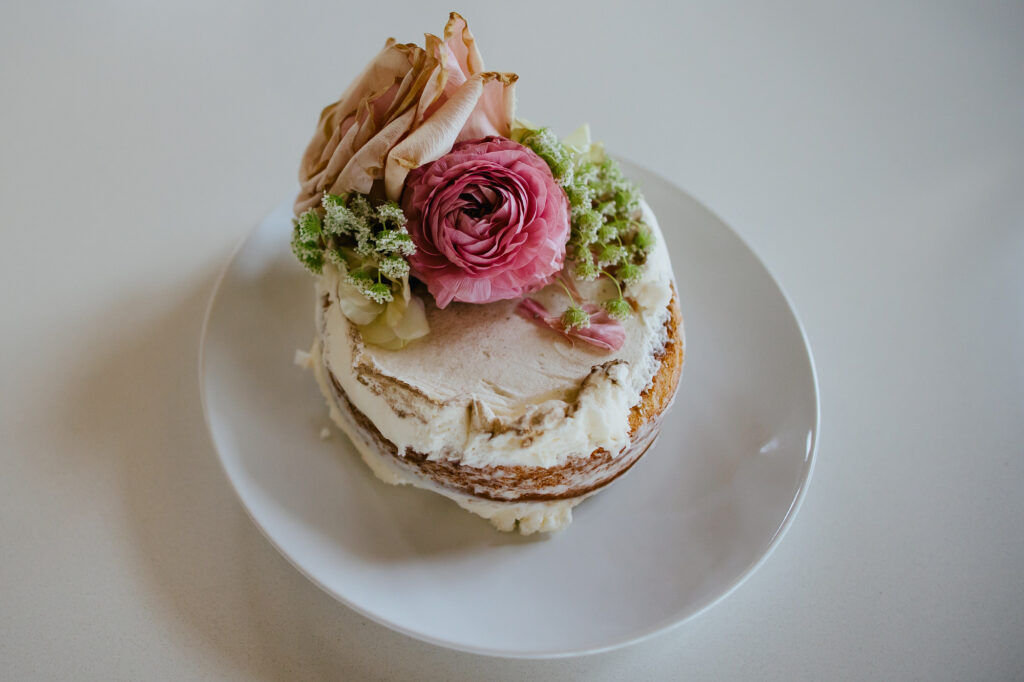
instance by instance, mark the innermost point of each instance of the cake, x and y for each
(495, 314)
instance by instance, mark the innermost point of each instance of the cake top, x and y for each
(422, 172)
(488, 387)
(491, 354)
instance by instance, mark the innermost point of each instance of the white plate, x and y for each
(694, 518)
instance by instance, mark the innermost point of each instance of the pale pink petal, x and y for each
(604, 332)
(495, 109)
(351, 121)
(452, 98)
(432, 139)
(462, 44)
(367, 164)
(438, 84)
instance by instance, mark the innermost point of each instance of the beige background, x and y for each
(873, 156)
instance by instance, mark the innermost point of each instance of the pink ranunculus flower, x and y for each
(488, 220)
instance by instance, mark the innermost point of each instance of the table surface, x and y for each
(872, 155)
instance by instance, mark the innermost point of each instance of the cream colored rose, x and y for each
(407, 108)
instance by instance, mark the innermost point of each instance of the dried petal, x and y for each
(603, 332)
(408, 107)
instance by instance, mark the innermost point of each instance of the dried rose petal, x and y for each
(604, 332)
(408, 107)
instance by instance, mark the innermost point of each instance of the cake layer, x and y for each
(526, 517)
(575, 477)
(530, 499)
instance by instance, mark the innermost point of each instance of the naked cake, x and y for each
(495, 311)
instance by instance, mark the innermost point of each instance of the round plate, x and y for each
(692, 520)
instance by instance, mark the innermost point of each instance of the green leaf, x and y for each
(587, 227)
(356, 234)
(548, 147)
(308, 253)
(336, 257)
(360, 205)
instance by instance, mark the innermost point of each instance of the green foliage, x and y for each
(618, 308)
(555, 154)
(369, 287)
(643, 240)
(306, 241)
(575, 317)
(370, 242)
(611, 254)
(394, 242)
(390, 215)
(607, 229)
(629, 273)
(607, 232)
(394, 267)
(586, 269)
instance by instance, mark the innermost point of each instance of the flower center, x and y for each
(474, 206)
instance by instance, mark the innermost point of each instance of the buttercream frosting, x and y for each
(487, 387)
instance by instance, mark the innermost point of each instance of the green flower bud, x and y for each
(618, 308)
(608, 232)
(379, 293)
(575, 317)
(629, 273)
(643, 239)
(586, 270)
(308, 226)
(394, 267)
(611, 254)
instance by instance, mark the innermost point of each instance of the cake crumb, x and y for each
(325, 433)
(303, 359)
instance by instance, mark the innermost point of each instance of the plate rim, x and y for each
(651, 632)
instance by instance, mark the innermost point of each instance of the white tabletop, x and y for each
(872, 155)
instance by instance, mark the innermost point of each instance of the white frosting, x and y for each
(487, 387)
(527, 517)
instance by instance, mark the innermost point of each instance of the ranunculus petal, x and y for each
(489, 222)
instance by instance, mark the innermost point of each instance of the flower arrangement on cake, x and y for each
(496, 317)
